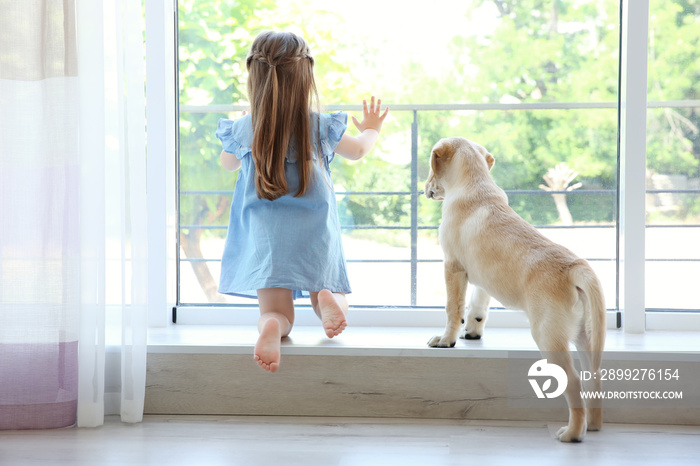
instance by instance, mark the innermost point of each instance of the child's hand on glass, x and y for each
(372, 118)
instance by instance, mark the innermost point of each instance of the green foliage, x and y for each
(673, 134)
(564, 53)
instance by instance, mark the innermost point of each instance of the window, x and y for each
(547, 111)
(673, 157)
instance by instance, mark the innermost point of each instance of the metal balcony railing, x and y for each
(414, 227)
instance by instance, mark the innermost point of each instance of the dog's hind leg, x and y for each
(456, 287)
(478, 312)
(553, 343)
(590, 340)
(590, 364)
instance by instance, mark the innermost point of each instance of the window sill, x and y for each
(384, 372)
(406, 342)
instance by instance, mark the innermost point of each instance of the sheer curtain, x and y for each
(73, 257)
(39, 215)
(113, 211)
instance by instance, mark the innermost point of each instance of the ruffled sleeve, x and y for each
(333, 127)
(233, 140)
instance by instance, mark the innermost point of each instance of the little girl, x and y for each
(284, 234)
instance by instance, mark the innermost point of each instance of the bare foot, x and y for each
(267, 349)
(332, 314)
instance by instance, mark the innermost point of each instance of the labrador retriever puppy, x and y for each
(486, 243)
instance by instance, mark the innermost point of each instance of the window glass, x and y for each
(673, 156)
(535, 82)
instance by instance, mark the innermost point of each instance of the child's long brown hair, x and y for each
(280, 87)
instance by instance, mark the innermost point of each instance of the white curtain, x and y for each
(73, 257)
(113, 318)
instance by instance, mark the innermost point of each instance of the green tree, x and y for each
(673, 144)
(559, 51)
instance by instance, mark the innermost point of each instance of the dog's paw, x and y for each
(467, 335)
(473, 328)
(594, 419)
(441, 342)
(565, 434)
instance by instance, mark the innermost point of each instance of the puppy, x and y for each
(486, 243)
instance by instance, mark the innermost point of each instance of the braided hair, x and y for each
(281, 89)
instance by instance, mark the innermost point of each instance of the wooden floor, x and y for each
(222, 440)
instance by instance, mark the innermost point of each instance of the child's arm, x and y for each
(229, 161)
(354, 148)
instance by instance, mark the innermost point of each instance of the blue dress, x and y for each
(291, 242)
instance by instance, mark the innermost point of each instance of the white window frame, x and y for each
(634, 26)
(161, 168)
(162, 172)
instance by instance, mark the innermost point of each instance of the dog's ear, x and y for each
(440, 155)
(434, 158)
(440, 152)
(443, 150)
(490, 160)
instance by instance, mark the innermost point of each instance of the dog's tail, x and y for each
(591, 295)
